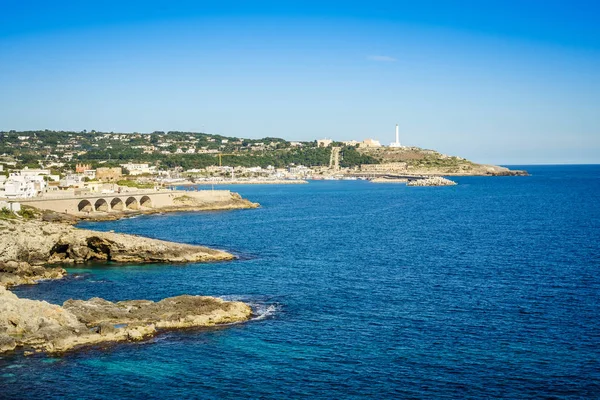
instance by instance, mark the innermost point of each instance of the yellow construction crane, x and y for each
(222, 154)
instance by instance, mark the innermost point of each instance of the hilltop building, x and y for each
(324, 142)
(370, 143)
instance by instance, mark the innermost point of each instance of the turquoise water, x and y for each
(487, 289)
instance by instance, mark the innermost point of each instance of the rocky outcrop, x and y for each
(191, 203)
(174, 312)
(14, 273)
(25, 246)
(40, 326)
(432, 181)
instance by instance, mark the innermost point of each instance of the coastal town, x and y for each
(61, 165)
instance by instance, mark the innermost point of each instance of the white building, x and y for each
(19, 186)
(90, 173)
(33, 172)
(72, 180)
(139, 169)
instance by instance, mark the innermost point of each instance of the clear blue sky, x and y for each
(495, 81)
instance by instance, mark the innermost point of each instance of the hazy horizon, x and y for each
(503, 83)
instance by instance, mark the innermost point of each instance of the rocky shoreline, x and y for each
(30, 251)
(27, 246)
(38, 326)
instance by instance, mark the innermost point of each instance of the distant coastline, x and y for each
(243, 182)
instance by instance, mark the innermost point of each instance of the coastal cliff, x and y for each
(26, 246)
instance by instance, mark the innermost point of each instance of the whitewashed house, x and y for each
(19, 186)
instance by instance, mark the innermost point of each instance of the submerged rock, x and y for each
(38, 325)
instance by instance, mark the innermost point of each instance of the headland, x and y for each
(32, 250)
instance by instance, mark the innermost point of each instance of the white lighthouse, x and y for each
(397, 142)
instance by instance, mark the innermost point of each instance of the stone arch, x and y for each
(132, 203)
(101, 205)
(145, 201)
(85, 206)
(117, 204)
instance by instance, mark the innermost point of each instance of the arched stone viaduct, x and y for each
(118, 203)
(114, 202)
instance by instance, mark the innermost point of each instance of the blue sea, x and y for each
(488, 289)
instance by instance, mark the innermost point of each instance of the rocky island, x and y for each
(29, 252)
(432, 181)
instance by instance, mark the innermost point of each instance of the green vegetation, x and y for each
(166, 150)
(350, 157)
(27, 213)
(134, 184)
(5, 213)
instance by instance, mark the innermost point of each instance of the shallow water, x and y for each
(486, 289)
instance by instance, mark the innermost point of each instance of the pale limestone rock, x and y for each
(432, 181)
(26, 245)
(38, 325)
